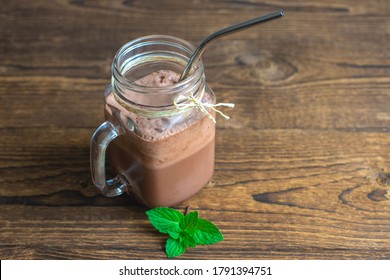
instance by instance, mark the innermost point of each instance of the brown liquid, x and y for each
(163, 169)
(166, 186)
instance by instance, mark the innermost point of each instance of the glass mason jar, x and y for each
(161, 145)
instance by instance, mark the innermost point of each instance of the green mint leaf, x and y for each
(174, 248)
(184, 230)
(166, 220)
(188, 223)
(206, 233)
(187, 239)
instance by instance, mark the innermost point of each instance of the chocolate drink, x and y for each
(164, 162)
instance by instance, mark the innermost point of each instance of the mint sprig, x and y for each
(184, 230)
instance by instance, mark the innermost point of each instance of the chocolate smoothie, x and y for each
(165, 159)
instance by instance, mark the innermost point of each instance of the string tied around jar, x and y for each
(185, 102)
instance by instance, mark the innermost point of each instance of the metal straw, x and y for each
(225, 31)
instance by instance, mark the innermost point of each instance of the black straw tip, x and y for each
(282, 13)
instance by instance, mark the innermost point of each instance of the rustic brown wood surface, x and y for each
(302, 167)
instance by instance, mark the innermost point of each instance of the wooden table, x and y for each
(302, 167)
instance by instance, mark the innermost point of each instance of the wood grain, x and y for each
(302, 167)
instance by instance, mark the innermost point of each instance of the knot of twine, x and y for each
(189, 101)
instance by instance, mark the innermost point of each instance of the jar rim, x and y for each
(157, 39)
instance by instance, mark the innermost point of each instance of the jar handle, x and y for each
(102, 137)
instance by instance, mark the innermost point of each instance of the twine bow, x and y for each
(184, 102)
